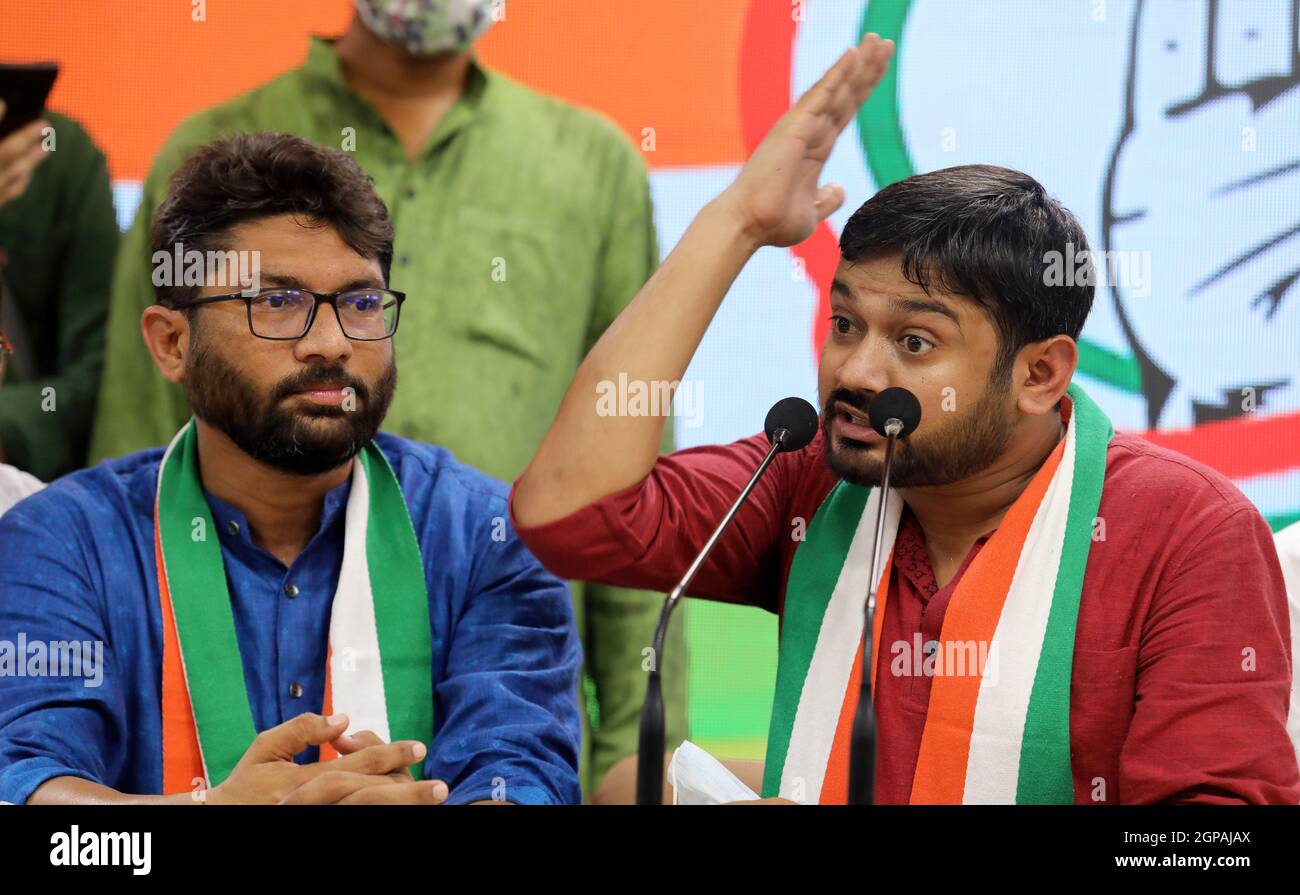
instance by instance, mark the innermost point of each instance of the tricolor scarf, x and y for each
(379, 666)
(998, 733)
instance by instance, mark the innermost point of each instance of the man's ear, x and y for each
(167, 336)
(1045, 369)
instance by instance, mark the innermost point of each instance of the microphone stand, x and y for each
(650, 744)
(862, 744)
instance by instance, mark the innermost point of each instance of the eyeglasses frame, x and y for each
(320, 298)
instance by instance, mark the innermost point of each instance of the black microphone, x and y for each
(895, 404)
(797, 418)
(790, 425)
(894, 413)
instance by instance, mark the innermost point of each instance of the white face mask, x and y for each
(429, 27)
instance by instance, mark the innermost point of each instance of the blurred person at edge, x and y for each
(58, 235)
(14, 483)
(1288, 553)
(524, 226)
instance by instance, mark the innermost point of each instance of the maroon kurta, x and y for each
(1182, 659)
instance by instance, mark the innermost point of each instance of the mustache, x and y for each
(315, 377)
(856, 400)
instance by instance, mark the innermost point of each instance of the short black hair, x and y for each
(247, 177)
(981, 231)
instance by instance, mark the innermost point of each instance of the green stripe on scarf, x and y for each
(816, 566)
(401, 605)
(205, 624)
(205, 621)
(1045, 769)
(1043, 773)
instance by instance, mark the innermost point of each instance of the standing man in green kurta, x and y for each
(524, 226)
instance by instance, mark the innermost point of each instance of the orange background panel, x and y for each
(673, 65)
(131, 70)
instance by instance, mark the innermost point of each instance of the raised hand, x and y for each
(775, 200)
(776, 193)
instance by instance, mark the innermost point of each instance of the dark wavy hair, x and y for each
(980, 231)
(246, 177)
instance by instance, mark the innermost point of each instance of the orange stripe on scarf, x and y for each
(328, 752)
(973, 614)
(182, 760)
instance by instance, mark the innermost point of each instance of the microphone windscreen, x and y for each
(797, 417)
(895, 403)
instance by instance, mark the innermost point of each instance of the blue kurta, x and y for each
(77, 564)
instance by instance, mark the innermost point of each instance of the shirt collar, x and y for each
(223, 514)
(323, 66)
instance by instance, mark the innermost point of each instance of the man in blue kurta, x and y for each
(283, 605)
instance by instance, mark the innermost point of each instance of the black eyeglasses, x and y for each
(364, 315)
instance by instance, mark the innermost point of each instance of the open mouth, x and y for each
(851, 423)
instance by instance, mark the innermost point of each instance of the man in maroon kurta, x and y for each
(1164, 705)
(1181, 667)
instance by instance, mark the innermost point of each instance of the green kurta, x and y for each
(524, 226)
(58, 239)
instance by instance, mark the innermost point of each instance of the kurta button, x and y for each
(291, 590)
(295, 689)
(931, 647)
(233, 527)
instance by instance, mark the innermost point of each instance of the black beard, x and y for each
(285, 439)
(951, 451)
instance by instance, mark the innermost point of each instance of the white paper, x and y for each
(700, 779)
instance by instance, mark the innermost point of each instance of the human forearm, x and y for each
(775, 200)
(78, 791)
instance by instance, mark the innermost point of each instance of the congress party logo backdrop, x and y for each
(1167, 132)
(1170, 127)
